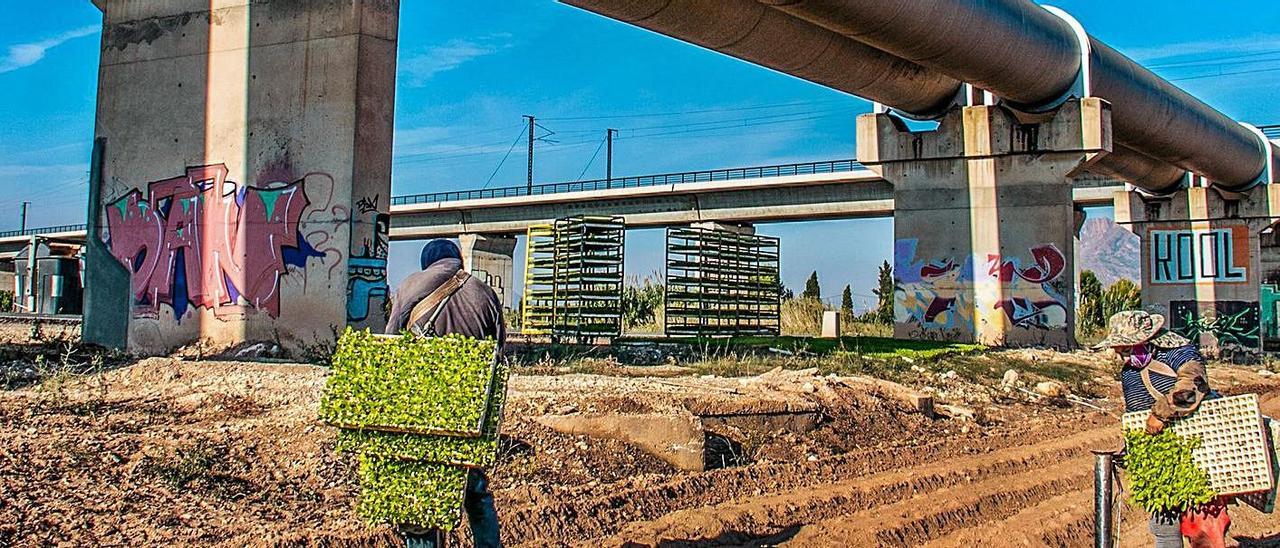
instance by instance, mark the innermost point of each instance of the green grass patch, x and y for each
(871, 347)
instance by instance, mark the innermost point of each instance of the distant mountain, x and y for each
(1109, 251)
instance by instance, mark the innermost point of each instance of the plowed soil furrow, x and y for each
(928, 516)
(1060, 521)
(762, 516)
(583, 515)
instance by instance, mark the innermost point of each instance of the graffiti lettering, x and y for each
(1037, 303)
(939, 294)
(1231, 322)
(1190, 256)
(367, 269)
(201, 241)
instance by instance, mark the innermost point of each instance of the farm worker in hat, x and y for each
(1165, 373)
(466, 306)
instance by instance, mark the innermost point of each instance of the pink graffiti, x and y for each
(1049, 264)
(938, 269)
(200, 240)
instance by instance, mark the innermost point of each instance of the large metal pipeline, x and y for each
(1024, 54)
(753, 32)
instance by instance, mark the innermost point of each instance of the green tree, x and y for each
(811, 288)
(884, 292)
(1122, 295)
(846, 303)
(1091, 316)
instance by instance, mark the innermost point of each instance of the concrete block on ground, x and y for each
(830, 324)
(678, 440)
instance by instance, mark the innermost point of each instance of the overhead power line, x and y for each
(691, 112)
(504, 158)
(1234, 56)
(592, 160)
(1221, 74)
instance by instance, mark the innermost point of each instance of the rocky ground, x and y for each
(174, 452)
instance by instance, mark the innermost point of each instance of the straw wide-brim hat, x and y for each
(1134, 327)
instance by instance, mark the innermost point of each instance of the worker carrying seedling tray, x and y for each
(1186, 448)
(422, 409)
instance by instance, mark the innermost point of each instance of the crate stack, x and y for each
(574, 277)
(721, 283)
(588, 279)
(539, 300)
(419, 412)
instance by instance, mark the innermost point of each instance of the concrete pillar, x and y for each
(246, 173)
(983, 222)
(492, 258)
(1202, 262)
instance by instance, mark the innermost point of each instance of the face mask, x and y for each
(1140, 357)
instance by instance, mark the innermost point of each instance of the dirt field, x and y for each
(172, 452)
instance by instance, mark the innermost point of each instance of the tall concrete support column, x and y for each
(983, 223)
(492, 258)
(247, 167)
(1202, 262)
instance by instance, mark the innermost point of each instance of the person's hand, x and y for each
(1154, 425)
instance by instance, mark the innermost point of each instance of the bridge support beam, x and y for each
(246, 176)
(1203, 259)
(492, 258)
(983, 223)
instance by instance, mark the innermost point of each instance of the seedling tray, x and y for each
(1265, 501)
(411, 493)
(1233, 449)
(411, 385)
(477, 452)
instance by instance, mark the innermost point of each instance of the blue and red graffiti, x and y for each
(939, 293)
(201, 241)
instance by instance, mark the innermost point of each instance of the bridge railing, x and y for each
(43, 230)
(730, 174)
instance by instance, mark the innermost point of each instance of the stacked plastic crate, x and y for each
(721, 283)
(573, 278)
(539, 280)
(589, 277)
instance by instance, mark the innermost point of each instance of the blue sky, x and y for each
(469, 70)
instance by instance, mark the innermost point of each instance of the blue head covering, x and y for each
(437, 250)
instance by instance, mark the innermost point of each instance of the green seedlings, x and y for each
(478, 452)
(411, 493)
(419, 412)
(1162, 474)
(473, 452)
(409, 383)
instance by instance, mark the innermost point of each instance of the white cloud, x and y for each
(24, 55)
(451, 55)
